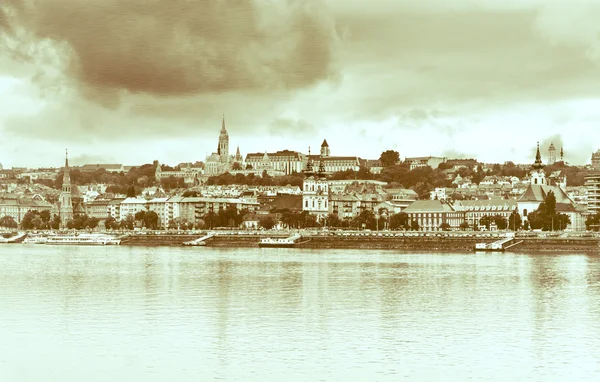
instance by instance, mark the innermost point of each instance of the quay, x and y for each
(407, 241)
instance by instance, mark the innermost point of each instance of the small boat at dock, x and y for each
(83, 239)
(288, 242)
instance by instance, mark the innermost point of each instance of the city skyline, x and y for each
(460, 80)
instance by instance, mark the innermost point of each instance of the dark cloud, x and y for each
(182, 47)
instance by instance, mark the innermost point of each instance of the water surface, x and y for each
(190, 314)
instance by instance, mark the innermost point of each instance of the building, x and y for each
(189, 174)
(65, 201)
(221, 161)
(476, 209)
(430, 215)
(592, 184)
(98, 208)
(538, 190)
(432, 162)
(551, 154)
(17, 208)
(596, 160)
(286, 161)
(333, 164)
(315, 191)
(131, 206)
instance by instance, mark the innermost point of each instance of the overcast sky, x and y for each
(129, 82)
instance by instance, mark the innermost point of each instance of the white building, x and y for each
(315, 193)
(131, 206)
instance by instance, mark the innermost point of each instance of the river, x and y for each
(202, 314)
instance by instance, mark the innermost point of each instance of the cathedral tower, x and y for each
(66, 202)
(223, 149)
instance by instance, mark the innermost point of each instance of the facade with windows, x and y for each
(431, 215)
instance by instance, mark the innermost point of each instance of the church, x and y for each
(539, 188)
(221, 161)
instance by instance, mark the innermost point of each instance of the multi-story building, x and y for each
(98, 208)
(18, 207)
(331, 164)
(596, 160)
(114, 208)
(592, 183)
(430, 215)
(476, 209)
(285, 161)
(132, 206)
(189, 174)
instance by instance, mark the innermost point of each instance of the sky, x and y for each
(130, 82)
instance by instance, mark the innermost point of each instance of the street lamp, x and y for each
(377, 220)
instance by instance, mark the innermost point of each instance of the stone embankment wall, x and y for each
(441, 243)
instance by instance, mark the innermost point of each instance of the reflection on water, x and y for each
(188, 314)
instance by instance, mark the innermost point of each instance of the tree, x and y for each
(500, 221)
(445, 226)
(140, 216)
(464, 226)
(111, 223)
(389, 158)
(131, 192)
(592, 222)
(236, 166)
(191, 194)
(414, 225)
(127, 223)
(514, 221)
(398, 221)
(267, 222)
(151, 220)
(485, 221)
(8, 222)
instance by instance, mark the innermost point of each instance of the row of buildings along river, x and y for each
(318, 195)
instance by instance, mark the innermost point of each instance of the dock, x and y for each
(19, 237)
(499, 245)
(199, 241)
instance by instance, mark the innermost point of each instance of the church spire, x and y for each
(223, 129)
(67, 158)
(561, 154)
(538, 159)
(309, 165)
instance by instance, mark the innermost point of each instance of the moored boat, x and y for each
(277, 243)
(83, 239)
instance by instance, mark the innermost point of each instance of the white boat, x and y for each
(83, 239)
(288, 242)
(35, 239)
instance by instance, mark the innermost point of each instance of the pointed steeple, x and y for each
(309, 165)
(66, 158)
(538, 159)
(223, 129)
(562, 154)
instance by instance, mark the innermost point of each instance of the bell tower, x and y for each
(66, 201)
(223, 149)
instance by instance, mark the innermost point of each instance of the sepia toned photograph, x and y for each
(299, 190)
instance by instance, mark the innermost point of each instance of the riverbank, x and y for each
(401, 243)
